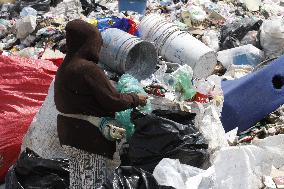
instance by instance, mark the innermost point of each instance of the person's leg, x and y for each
(87, 171)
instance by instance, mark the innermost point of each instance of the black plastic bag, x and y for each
(127, 177)
(233, 33)
(165, 134)
(42, 6)
(89, 6)
(34, 172)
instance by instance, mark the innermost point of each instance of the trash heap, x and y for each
(213, 71)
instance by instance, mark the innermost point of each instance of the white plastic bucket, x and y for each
(183, 48)
(125, 53)
(177, 46)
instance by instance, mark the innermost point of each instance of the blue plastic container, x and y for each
(132, 5)
(249, 99)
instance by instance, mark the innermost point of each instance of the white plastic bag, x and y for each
(170, 172)
(272, 37)
(244, 166)
(208, 120)
(210, 38)
(25, 26)
(233, 168)
(28, 11)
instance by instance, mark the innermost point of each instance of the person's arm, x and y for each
(107, 95)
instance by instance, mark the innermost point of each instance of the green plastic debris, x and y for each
(181, 81)
(128, 84)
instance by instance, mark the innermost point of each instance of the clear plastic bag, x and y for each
(180, 80)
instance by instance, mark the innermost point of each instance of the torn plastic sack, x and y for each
(165, 134)
(24, 84)
(233, 33)
(128, 84)
(42, 136)
(210, 38)
(32, 171)
(244, 166)
(127, 177)
(25, 26)
(209, 124)
(272, 37)
(170, 172)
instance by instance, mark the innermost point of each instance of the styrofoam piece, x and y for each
(125, 53)
(178, 46)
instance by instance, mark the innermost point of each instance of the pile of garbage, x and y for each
(213, 71)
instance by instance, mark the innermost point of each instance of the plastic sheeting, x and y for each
(23, 87)
(233, 168)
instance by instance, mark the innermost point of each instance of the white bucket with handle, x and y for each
(178, 46)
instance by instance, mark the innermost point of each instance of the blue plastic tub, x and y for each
(132, 5)
(249, 99)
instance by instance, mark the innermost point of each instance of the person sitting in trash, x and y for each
(87, 102)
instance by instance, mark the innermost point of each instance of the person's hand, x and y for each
(142, 99)
(116, 133)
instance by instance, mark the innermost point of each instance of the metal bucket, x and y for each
(177, 46)
(125, 53)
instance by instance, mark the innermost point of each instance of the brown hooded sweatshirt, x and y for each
(81, 87)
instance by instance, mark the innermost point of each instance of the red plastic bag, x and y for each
(23, 87)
